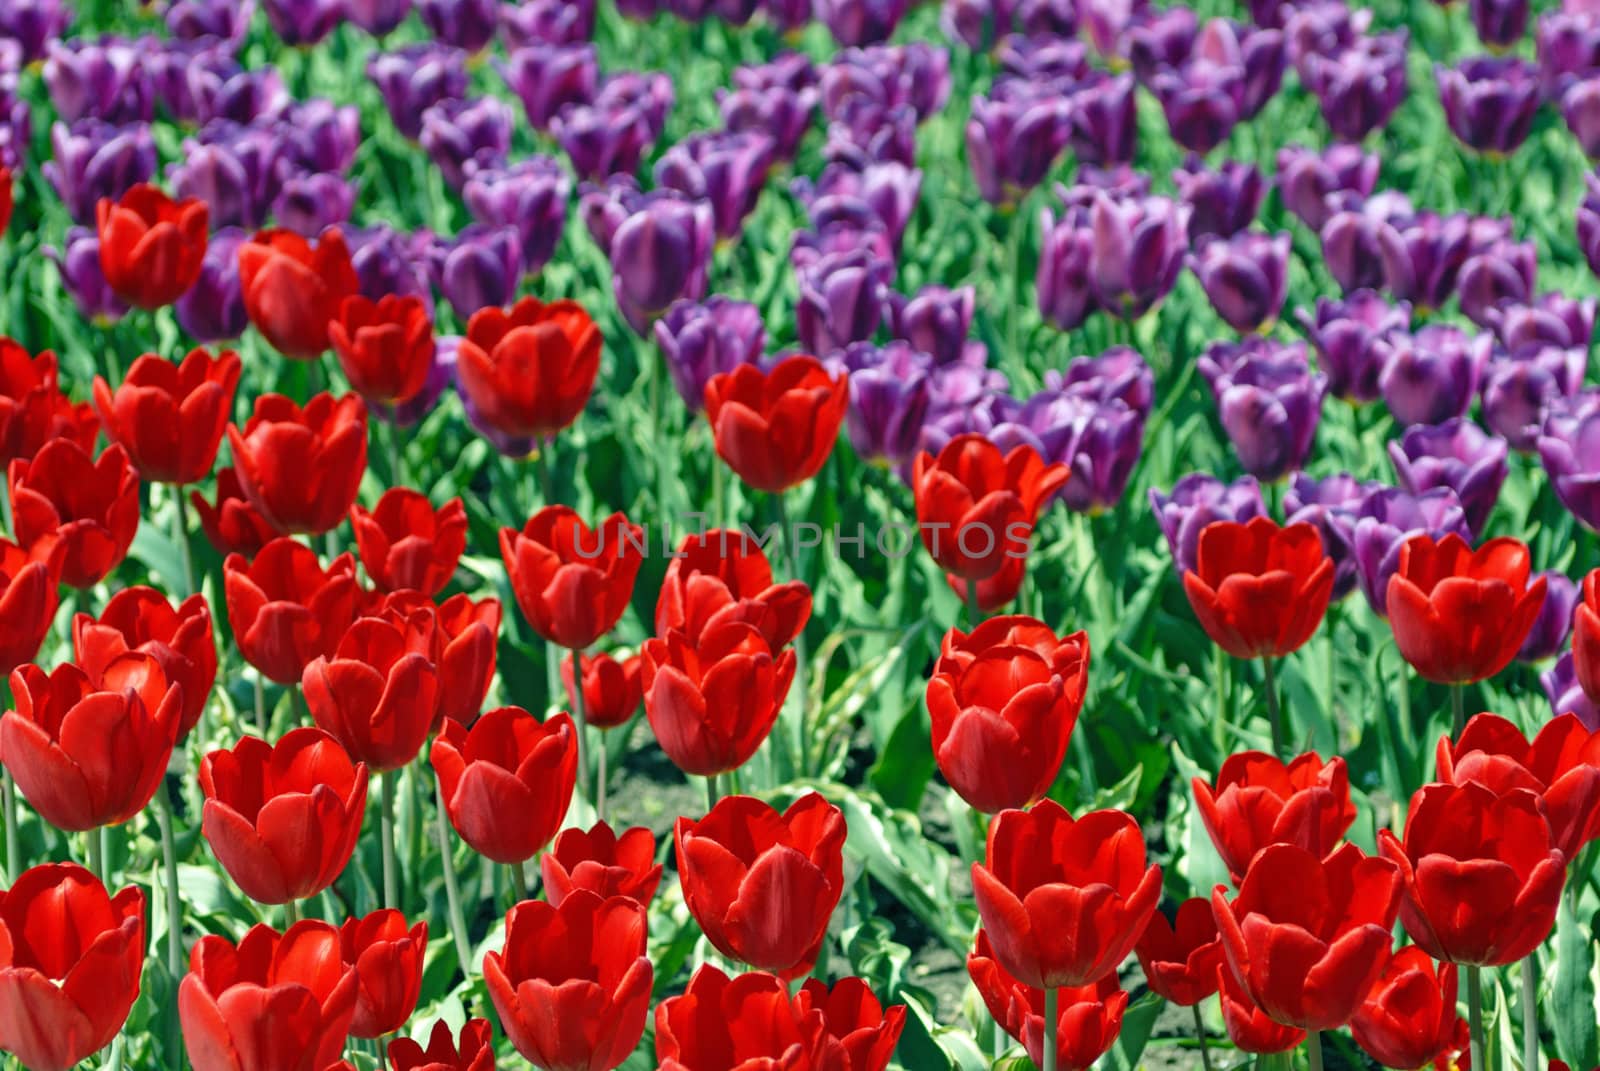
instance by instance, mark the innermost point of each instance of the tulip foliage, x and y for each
(799, 535)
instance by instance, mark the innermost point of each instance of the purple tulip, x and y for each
(780, 113)
(837, 237)
(1120, 181)
(477, 269)
(1138, 247)
(1197, 500)
(1259, 53)
(1118, 374)
(548, 77)
(1042, 18)
(530, 195)
(386, 262)
(1348, 336)
(936, 321)
(1422, 256)
(885, 192)
(1014, 137)
(1221, 203)
(1201, 102)
(659, 245)
(727, 170)
(1387, 518)
(1589, 223)
(1568, 49)
(1519, 387)
(1489, 101)
(236, 170)
(323, 136)
(1353, 237)
(1456, 454)
(461, 136)
(1569, 448)
(1502, 274)
(843, 299)
(547, 22)
(1553, 320)
(440, 376)
(212, 310)
(604, 141)
(1307, 179)
(34, 24)
(887, 77)
(888, 399)
(1580, 107)
(1548, 637)
(1246, 277)
(961, 399)
(1500, 23)
(303, 22)
(868, 136)
(1044, 58)
(702, 340)
(1157, 40)
(1561, 688)
(308, 204)
(1431, 375)
(1359, 87)
(787, 15)
(1105, 22)
(1268, 400)
(1331, 506)
(378, 17)
(467, 24)
(216, 20)
(977, 23)
(1066, 261)
(793, 71)
(83, 279)
(94, 159)
(1321, 28)
(1108, 438)
(860, 22)
(104, 80)
(220, 90)
(414, 79)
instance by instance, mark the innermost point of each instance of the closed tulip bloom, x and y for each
(1268, 401)
(572, 985)
(1456, 454)
(726, 168)
(377, 693)
(860, 22)
(1353, 240)
(1259, 590)
(283, 819)
(530, 195)
(1197, 500)
(414, 78)
(474, 1053)
(378, 17)
(1569, 457)
(1003, 703)
(179, 638)
(603, 862)
(1249, 1028)
(386, 347)
(1246, 278)
(612, 688)
(1259, 801)
(1553, 627)
(703, 340)
(94, 159)
(1431, 375)
(1459, 615)
(212, 310)
(843, 298)
(1014, 137)
(1520, 388)
(271, 1003)
(889, 399)
(1066, 255)
(720, 576)
(1201, 101)
(1482, 880)
(461, 135)
(1348, 337)
(478, 268)
(28, 599)
(34, 24)
(1489, 102)
(1222, 202)
(572, 582)
(1359, 87)
(88, 507)
(976, 507)
(285, 609)
(1409, 1019)
(776, 429)
(301, 468)
(1180, 957)
(232, 525)
(33, 410)
(467, 24)
(1090, 1016)
(293, 290)
(1386, 518)
(387, 960)
(529, 371)
(1498, 274)
(467, 633)
(1552, 319)
(660, 253)
(405, 543)
(861, 1034)
(507, 781)
(170, 417)
(748, 1021)
(151, 246)
(1308, 181)
(744, 864)
(1138, 252)
(1040, 868)
(1580, 107)
(547, 76)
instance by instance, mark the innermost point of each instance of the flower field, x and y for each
(799, 535)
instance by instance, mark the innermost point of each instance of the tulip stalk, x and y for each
(1052, 1028)
(802, 680)
(1314, 1050)
(1530, 1010)
(519, 882)
(1458, 706)
(169, 862)
(1274, 712)
(180, 523)
(391, 871)
(1475, 1014)
(974, 611)
(1200, 1035)
(8, 805)
(580, 730)
(452, 891)
(95, 850)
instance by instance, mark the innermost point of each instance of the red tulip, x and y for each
(1586, 637)
(387, 959)
(301, 468)
(28, 598)
(612, 690)
(151, 247)
(232, 526)
(994, 592)
(70, 960)
(285, 610)
(712, 704)
(169, 417)
(274, 1003)
(1089, 1016)
(1559, 766)
(180, 640)
(378, 694)
(405, 543)
(1259, 801)
(1064, 901)
(744, 1023)
(1179, 958)
(385, 347)
(763, 885)
(507, 781)
(1259, 590)
(572, 582)
(722, 575)
(976, 506)
(89, 750)
(283, 819)
(1308, 936)
(1460, 615)
(775, 428)
(528, 371)
(293, 290)
(467, 632)
(32, 408)
(603, 863)
(90, 506)
(475, 1053)
(1249, 1028)
(572, 986)
(860, 1035)
(1409, 1017)
(1482, 880)
(1003, 703)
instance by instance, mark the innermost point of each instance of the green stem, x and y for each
(600, 779)
(711, 792)
(391, 872)
(1221, 674)
(261, 707)
(1530, 1011)
(974, 611)
(580, 722)
(169, 861)
(1274, 713)
(452, 892)
(8, 804)
(1314, 1049)
(1458, 705)
(541, 461)
(1475, 1015)
(397, 475)
(1200, 1035)
(1052, 1027)
(519, 881)
(291, 914)
(97, 854)
(801, 669)
(181, 534)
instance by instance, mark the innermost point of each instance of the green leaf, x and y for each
(1137, 1023)
(1573, 1000)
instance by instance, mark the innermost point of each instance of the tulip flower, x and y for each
(1309, 181)
(612, 688)
(700, 341)
(722, 575)
(88, 507)
(271, 1003)
(1569, 459)
(232, 526)
(1552, 319)
(1180, 957)
(1221, 203)
(32, 408)
(1497, 273)
(1003, 703)
(178, 638)
(603, 862)
(1409, 1017)
(377, 692)
(415, 77)
(530, 195)
(776, 429)
(70, 961)
(860, 1034)
(461, 135)
(749, 1018)
(1014, 136)
(293, 290)
(96, 160)
(1245, 277)
(1456, 454)
(1331, 505)
(474, 1053)
(151, 246)
(572, 985)
(1249, 1028)
(301, 468)
(28, 599)
(405, 543)
(1385, 519)
(1347, 336)
(844, 297)
(170, 418)
(1089, 1017)
(572, 582)
(1268, 401)
(1553, 627)
(387, 960)
(1520, 389)
(1359, 87)
(1489, 102)
(744, 862)
(285, 609)
(385, 347)
(478, 268)
(1197, 501)
(1259, 801)
(506, 782)
(467, 633)
(725, 168)
(529, 372)
(467, 24)
(1126, 283)
(547, 76)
